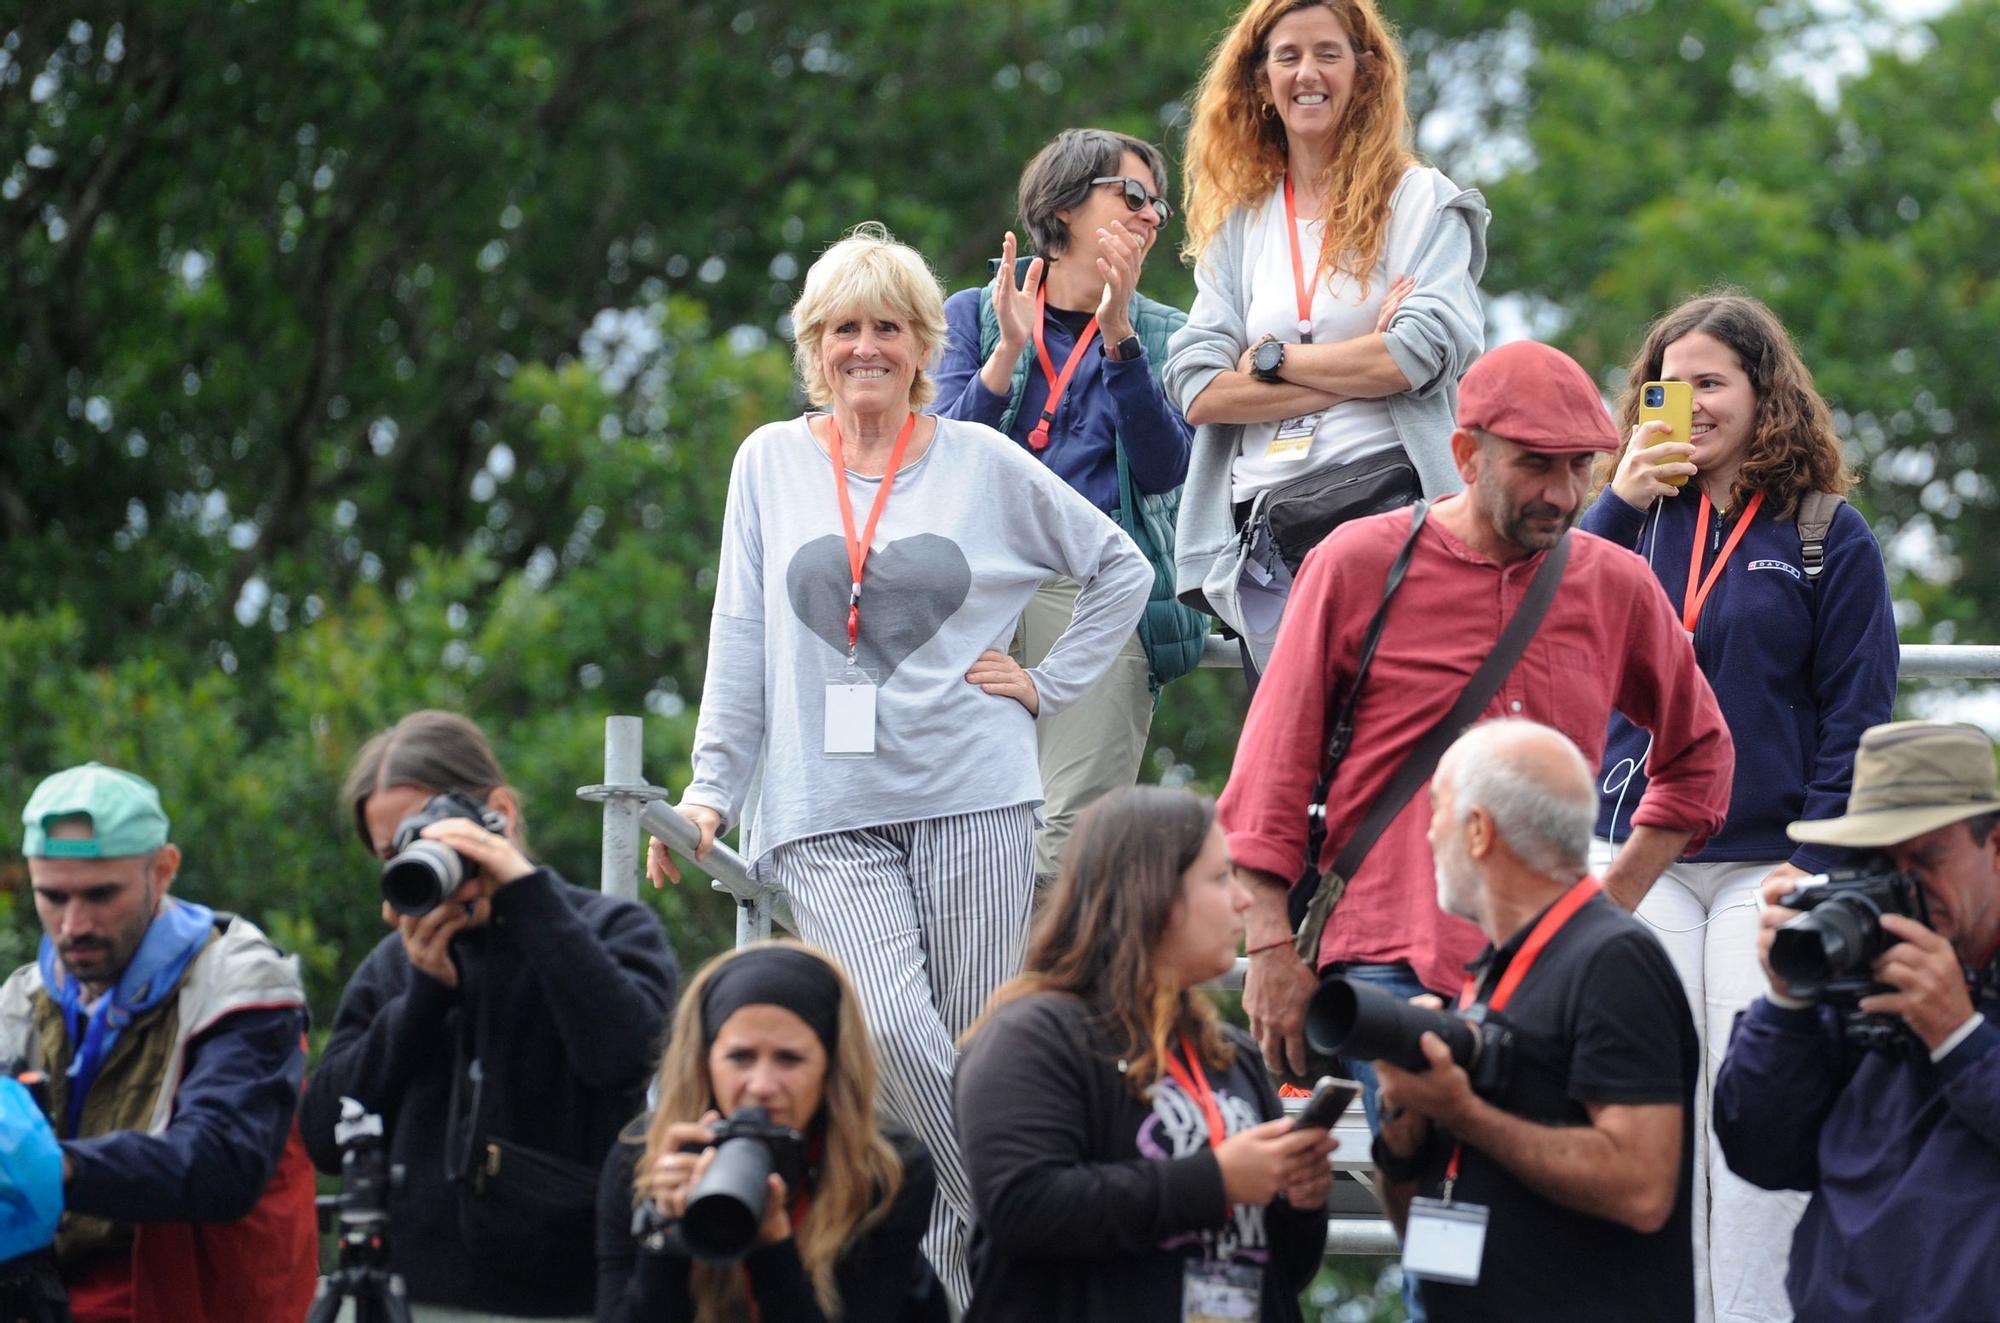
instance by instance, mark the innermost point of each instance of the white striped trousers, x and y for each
(928, 918)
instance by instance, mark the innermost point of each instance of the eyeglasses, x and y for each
(1136, 196)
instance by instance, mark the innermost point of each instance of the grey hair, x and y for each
(1546, 823)
(1058, 179)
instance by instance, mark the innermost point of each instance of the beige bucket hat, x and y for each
(1910, 777)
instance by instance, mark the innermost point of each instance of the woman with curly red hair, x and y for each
(1790, 614)
(1337, 303)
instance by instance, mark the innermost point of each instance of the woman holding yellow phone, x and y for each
(1782, 589)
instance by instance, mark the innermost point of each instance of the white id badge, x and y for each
(850, 715)
(1445, 1242)
(1221, 1292)
(1294, 439)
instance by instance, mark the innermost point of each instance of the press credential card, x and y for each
(1444, 1242)
(850, 718)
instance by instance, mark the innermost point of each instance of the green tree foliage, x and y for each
(356, 357)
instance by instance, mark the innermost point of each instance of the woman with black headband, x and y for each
(772, 1026)
(1129, 1158)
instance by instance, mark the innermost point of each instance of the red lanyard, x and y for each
(1195, 1084)
(1038, 439)
(1692, 603)
(1300, 285)
(1547, 927)
(857, 548)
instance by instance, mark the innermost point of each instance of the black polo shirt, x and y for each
(1600, 1018)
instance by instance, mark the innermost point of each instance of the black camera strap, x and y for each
(1321, 891)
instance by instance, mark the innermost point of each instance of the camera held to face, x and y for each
(1358, 1021)
(421, 873)
(1828, 952)
(725, 1208)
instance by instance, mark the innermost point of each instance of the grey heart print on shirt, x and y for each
(908, 590)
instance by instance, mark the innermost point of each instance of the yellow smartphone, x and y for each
(1670, 402)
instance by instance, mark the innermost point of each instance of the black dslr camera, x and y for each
(1360, 1022)
(1828, 952)
(421, 873)
(726, 1206)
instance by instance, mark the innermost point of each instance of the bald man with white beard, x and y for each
(1575, 1170)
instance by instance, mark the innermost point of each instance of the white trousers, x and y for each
(1706, 915)
(927, 918)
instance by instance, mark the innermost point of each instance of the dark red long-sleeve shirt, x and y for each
(1610, 639)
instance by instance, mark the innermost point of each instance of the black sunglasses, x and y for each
(1136, 196)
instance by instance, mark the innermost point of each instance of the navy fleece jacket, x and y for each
(1106, 398)
(1800, 670)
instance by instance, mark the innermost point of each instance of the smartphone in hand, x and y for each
(1330, 1098)
(1670, 402)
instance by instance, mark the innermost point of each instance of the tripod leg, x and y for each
(325, 1303)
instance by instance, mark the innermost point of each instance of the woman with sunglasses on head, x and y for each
(1337, 304)
(775, 1026)
(1065, 357)
(1129, 1158)
(1791, 619)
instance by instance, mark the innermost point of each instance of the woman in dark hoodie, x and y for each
(1128, 1156)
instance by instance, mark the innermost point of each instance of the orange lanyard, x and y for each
(1300, 285)
(1692, 603)
(857, 548)
(1038, 439)
(1517, 969)
(1195, 1083)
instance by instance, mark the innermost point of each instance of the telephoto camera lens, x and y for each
(726, 1207)
(418, 879)
(1363, 1023)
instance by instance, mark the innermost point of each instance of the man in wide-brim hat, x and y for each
(1900, 1150)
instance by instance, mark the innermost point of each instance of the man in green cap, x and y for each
(173, 1041)
(1897, 1142)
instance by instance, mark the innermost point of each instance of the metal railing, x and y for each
(632, 804)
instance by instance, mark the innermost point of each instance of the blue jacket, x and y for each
(1902, 1159)
(1800, 670)
(1106, 398)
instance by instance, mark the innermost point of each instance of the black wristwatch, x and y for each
(1399, 1171)
(1129, 348)
(1268, 361)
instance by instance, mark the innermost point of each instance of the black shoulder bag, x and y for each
(1314, 895)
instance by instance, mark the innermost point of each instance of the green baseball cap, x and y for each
(123, 811)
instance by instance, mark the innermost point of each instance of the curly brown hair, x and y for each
(1236, 153)
(1121, 878)
(1792, 450)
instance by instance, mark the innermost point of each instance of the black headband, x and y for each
(781, 976)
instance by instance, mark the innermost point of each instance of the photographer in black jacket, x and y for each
(504, 1036)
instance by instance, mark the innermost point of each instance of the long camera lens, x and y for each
(725, 1209)
(1363, 1023)
(1838, 938)
(418, 879)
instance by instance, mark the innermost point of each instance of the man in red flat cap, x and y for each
(1530, 425)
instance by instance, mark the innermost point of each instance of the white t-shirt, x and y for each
(970, 530)
(1352, 429)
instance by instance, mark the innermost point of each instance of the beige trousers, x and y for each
(1093, 746)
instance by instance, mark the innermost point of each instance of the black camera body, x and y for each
(726, 1206)
(421, 873)
(1356, 1020)
(1827, 953)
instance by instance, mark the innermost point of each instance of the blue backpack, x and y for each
(31, 1186)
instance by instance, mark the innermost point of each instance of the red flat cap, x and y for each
(1537, 397)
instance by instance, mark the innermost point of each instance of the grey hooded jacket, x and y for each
(1433, 338)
